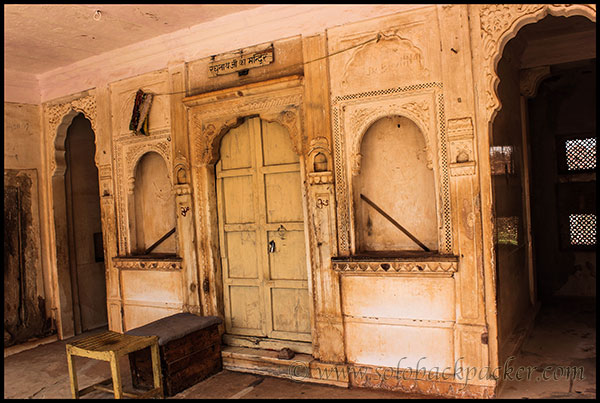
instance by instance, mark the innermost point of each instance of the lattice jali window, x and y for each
(581, 154)
(507, 231)
(582, 229)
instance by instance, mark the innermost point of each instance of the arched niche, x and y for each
(151, 201)
(394, 173)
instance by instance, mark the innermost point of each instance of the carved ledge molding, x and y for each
(400, 265)
(147, 263)
(499, 23)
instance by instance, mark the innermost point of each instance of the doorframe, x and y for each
(210, 116)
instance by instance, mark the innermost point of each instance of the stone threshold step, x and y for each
(302, 367)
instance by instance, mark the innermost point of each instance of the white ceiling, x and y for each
(42, 37)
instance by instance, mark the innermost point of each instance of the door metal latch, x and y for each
(272, 246)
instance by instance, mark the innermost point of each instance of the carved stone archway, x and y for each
(500, 23)
(58, 118)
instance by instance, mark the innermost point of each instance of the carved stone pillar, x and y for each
(183, 190)
(474, 329)
(328, 338)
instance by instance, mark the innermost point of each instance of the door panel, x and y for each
(290, 312)
(242, 261)
(239, 208)
(261, 232)
(289, 261)
(245, 309)
(235, 147)
(277, 146)
(284, 197)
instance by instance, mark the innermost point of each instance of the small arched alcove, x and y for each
(152, 215)
(396, 180)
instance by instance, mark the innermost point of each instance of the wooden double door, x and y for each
(261, 235)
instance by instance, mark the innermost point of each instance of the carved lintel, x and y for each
(530, 79)
(147, 263)
(209, 125)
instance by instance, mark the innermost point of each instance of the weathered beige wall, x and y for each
(23, 153)
(511, 259)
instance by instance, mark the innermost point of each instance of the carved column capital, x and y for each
(530, 79)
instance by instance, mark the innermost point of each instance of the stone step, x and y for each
(302, 367)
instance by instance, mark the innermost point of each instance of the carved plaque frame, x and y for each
(353, 114)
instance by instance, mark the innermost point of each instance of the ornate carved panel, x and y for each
(462, 155)
(352, 116)
(319, 164)
(207, 126)
(501, 22)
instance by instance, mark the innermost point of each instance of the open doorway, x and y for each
(84, 228)
(543, 160)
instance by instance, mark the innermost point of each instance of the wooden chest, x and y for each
(190, 351)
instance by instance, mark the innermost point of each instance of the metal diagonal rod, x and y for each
(390, 219)
(155, 244)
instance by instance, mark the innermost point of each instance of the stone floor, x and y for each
(563, 338)
(564, 335)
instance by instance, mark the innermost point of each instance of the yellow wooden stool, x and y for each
(109, 346)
